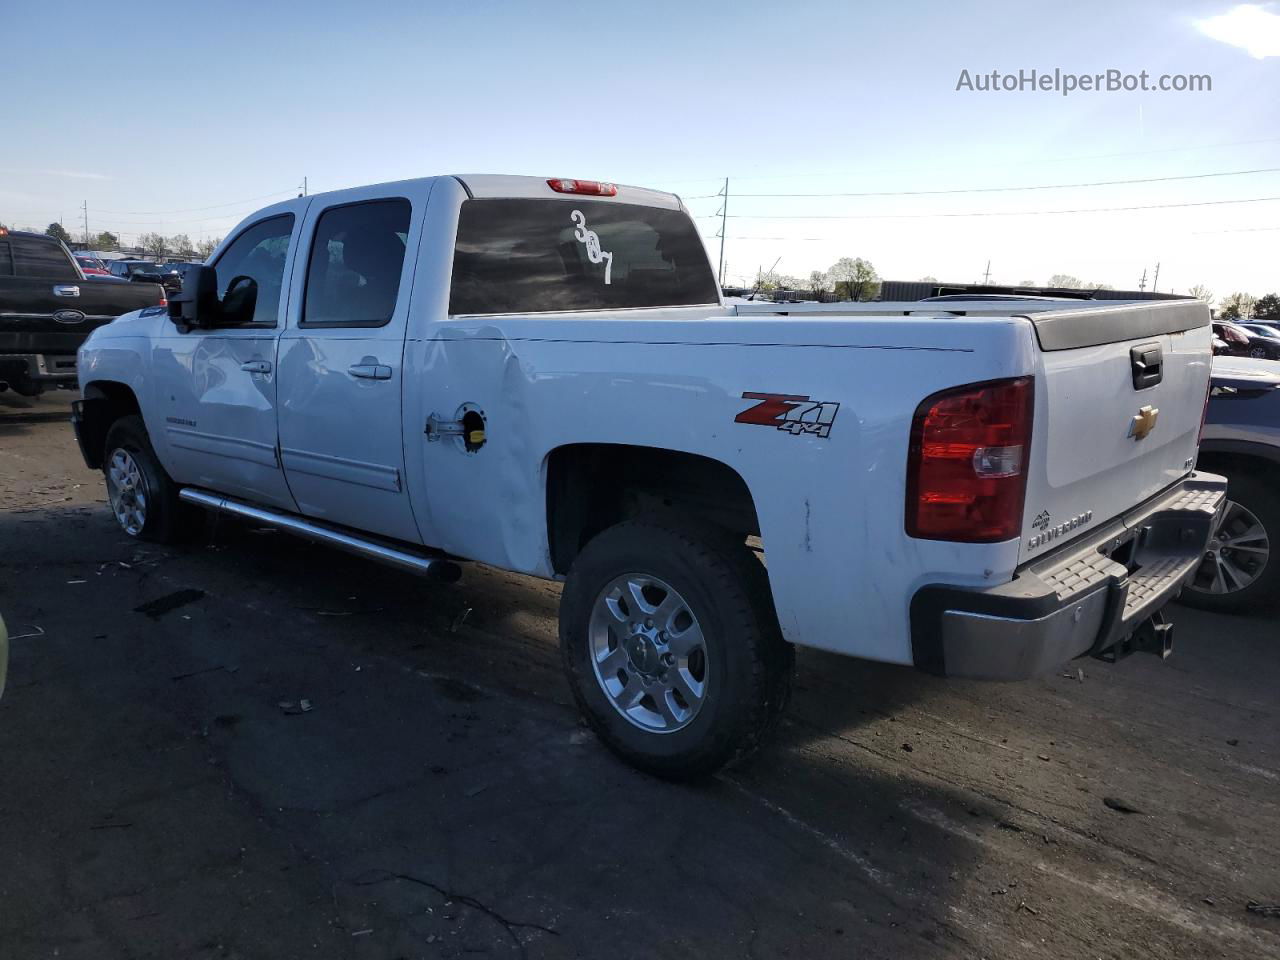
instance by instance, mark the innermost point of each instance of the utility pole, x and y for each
(85, 207)
(724, 216)
(986, 277)
(1142, 284)
(1155, 281)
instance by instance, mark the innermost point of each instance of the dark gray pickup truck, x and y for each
(48, 307)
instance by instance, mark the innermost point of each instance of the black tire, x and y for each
(167, 519)
(748, 666)
(1261, 499)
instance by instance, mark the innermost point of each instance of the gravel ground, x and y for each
(296, 753)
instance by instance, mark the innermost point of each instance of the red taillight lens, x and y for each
(164, 298)
(966, 472)
(592, 188)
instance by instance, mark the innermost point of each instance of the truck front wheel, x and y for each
(143, 497)
(672, 647)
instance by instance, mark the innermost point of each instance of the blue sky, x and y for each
(150, 113)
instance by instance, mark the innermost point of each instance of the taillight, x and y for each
(593, 188)
(164, 298)
(966, 472)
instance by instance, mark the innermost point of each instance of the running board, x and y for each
(436, 568)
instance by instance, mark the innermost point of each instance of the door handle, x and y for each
(256, 366)
(370, 371)
(66, 290)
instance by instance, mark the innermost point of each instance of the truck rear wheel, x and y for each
(672, 647)
(143, 497)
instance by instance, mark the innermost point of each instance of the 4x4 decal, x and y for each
(794, 414)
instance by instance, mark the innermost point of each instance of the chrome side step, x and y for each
(436, 568)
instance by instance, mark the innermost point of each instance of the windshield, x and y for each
(528, 256)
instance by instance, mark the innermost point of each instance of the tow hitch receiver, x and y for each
(1155, 635)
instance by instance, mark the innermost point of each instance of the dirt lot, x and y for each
(164, 794)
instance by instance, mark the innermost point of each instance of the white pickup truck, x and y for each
(542, 375)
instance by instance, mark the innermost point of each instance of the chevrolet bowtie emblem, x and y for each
(1144, 422)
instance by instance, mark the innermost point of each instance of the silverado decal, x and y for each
(794, 414)
(1049, 533)
(591, 240)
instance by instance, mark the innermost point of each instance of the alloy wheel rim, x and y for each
(648, 653)
(1237, 554)
(127, 490)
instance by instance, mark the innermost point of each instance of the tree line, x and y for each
(849, 278)
(153, 244)
(853, 278)
(1243, 306)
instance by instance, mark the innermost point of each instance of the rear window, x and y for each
(41, 259)
(531, 256)
(6, 259)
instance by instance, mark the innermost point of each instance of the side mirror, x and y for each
(240, 301)
(196, 304)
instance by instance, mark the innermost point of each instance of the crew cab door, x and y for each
(341, 370)
(215, 389)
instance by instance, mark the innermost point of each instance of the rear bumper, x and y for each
(23, 368)
(1087, 597)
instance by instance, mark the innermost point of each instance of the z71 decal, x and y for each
(794, 414)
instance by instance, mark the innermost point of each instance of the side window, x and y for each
(6, 260)
(353, 275)
(260, 253)
(40, 260)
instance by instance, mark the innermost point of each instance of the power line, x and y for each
(111, 221)
(983, 213)
(1202, 233)
(1013, 163)
(1041, 186)
(40, 212)
(212, 206)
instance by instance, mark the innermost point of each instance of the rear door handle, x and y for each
(370, 371)
(256, 366)
(66, 290)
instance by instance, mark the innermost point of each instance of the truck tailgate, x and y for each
(1120, 392)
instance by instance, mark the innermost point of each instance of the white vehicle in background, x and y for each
(541, 375)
